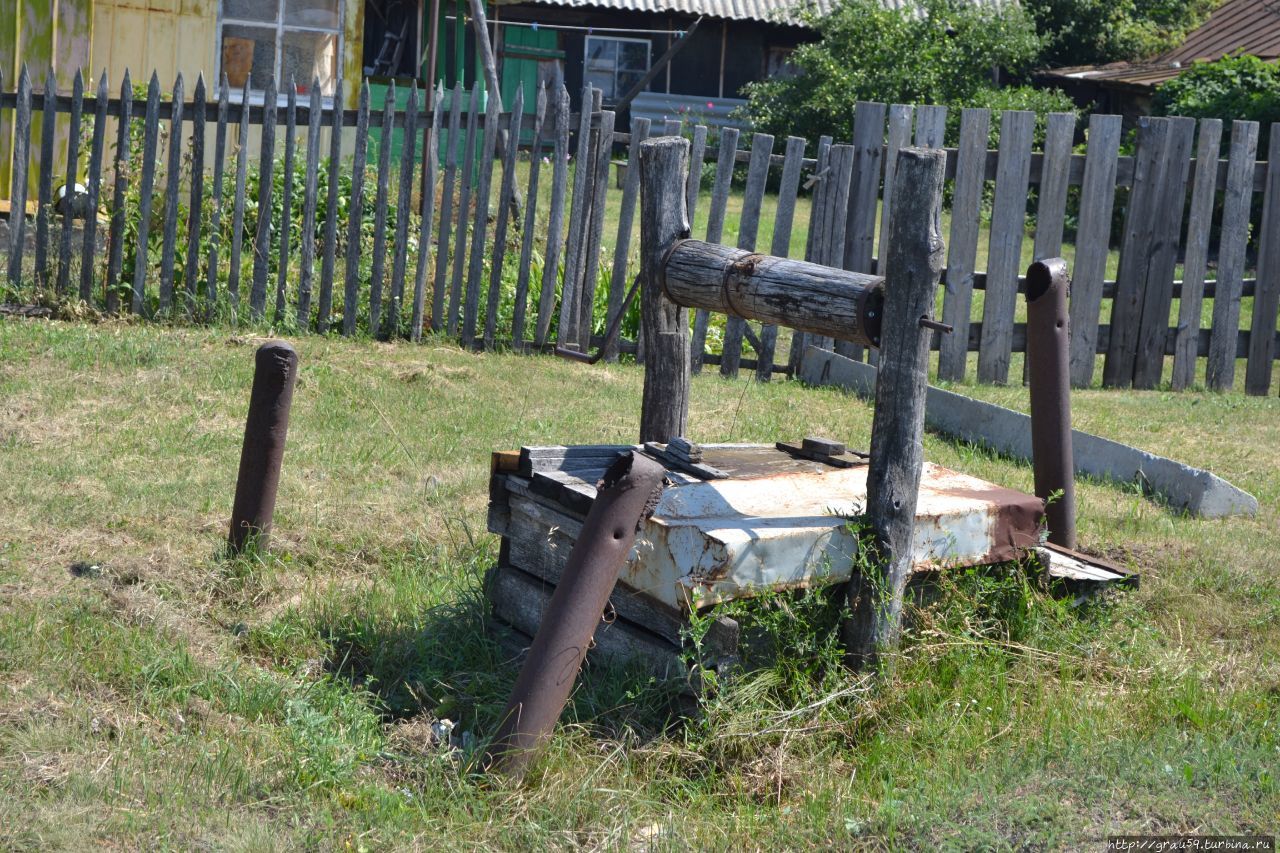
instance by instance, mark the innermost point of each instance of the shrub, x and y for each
(1235, 87)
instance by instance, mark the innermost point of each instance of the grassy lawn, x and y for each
(153, 694)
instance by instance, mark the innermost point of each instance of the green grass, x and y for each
(169, 698)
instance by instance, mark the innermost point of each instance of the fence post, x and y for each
(1049, 372)
(912, 269)
(664, 413)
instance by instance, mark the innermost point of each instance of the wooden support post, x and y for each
(664, 413)
(912, 269)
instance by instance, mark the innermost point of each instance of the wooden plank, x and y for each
(150, 134)
(697, 154)
(567, 330)
(784, 218)
(601, 151)
(286, 196)
(382, 180)
(173, 188)
(1093, 240)
(931, 126)
(864, 194)
(748, 227)
(237, 210)
(18, 178)
(44, 184)
(962, 249)
(480, 224)
(115, 238)
(464, 208)
(520, 311)
(715, 231)
(900, 117)
(73, 167)
(817, 207)
(626, 224)
(404, 206)
(1196, 257)
(430, 163)
(1051, 208)
(355, 216)
(97, 148)
(446, 211)
(1158, 290)
(310, 188)
(266, 188)
(836, 219)
(1008, 226)
(505, 194)
(1266, 304)
(215, 211)
(555, 222)
(195, 206)
(328, 263)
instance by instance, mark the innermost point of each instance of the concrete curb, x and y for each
(1194, 490)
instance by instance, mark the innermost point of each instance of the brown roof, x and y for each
(1237, 26)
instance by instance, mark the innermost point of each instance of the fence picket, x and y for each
(626, 223)
(715, 231)
(518, 316)
(962, 251)
(355, 215)
(475, 271)
(784, 217)
(404, 204)
(1093, 240)
(1266, 299)
(817, 208)
(382, 180)
(121, 177)
(195, 215)
(1052, 206)
(748, 227)
(555, 223)
(567, 330)
(1221, 366)
(266, 188)
(505, 194)
(237, 211)
(97, 146)
(864, 195)
(173, 180)
(1171, 200)
(286, 196)
(69, 194)
(900, 117)
(1196, 259)
(328, 263)
(215, 212)
(464, 209)
(44, 185)
(1008, 226)
(601, 152)
(430, 155)
(446, 212)
(18, 177)
(931, 126)
(697, 153)
(310, 187)
(150, 134)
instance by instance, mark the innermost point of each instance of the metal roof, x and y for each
(1237, 26)
(774, 11)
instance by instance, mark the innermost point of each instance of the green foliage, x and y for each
(945, 55)
(1039, 101)
(1088, 32)
(1235, 87)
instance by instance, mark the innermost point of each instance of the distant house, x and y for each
(1127, 88)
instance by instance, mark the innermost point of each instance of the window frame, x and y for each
(586, 56)
(257, 96)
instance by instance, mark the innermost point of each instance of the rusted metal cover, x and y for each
(778, 521)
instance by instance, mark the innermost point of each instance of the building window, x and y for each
(298, 39)
(614, 65)
(777, 63)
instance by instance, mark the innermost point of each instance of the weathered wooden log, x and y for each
(664, 324)
(801, 295)
(913, 266)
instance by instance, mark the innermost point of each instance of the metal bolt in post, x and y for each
(274, 375)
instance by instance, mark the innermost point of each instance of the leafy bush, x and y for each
(1088, 32)
(1235, 87)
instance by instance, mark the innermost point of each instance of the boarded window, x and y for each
(287, 39)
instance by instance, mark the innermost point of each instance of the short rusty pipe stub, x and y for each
(1049, 376)
(628, 494)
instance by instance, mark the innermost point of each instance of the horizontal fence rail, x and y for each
(406, 215)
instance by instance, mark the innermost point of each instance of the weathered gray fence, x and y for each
(418, 237)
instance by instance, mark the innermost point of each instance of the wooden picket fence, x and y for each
(425, 207)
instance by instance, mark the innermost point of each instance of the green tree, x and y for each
(1235, 87)
(1091, 32)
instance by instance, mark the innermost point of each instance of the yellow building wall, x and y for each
(164, 36)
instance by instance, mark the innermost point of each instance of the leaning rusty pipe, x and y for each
(627, 494)
(1048, 360)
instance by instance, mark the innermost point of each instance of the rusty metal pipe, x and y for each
(274, 375)
(627, 494)
(1048, 366)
